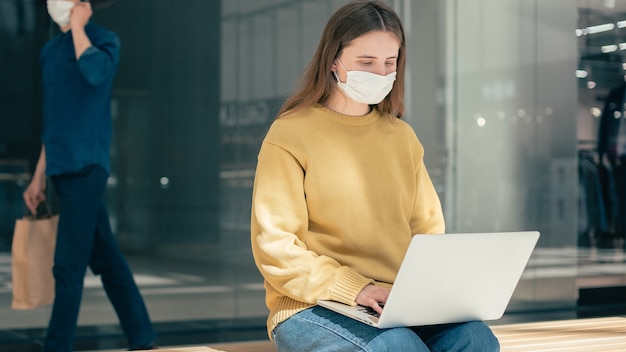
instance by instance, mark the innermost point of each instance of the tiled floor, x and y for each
(188, 302)
(173, 291)
(198, 303)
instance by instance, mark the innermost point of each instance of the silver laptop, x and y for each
(451, 278)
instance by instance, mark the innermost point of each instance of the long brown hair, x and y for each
(346, 24)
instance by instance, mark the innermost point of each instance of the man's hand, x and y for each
(373, 296)
(81, 13)
(35, 193)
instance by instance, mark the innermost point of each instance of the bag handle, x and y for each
(46, 203)
(38, 214)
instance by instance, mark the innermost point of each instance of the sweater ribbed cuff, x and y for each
(348, 285)
(284, 309)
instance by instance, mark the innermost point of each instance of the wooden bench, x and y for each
(576, 335)
(251, 346)
(588, 335)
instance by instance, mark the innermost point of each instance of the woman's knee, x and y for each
(397, 339)
(476, 336)
(469, 337)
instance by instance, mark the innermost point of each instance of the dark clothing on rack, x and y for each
(593, 205)
(598, 205)
(612, 116)
(612, 144)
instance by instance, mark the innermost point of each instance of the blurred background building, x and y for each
(506, 96)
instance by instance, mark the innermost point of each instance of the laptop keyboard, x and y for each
(369, 310)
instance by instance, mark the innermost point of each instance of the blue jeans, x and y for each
(321, 330)
(84, 239)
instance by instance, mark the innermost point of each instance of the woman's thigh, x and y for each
(321, 330)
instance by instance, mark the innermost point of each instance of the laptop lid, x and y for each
(452, 278)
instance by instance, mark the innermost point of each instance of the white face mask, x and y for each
(366, 87)
(60, 11)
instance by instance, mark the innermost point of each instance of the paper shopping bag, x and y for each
(32, 256)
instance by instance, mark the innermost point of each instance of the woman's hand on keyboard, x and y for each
(373, 296)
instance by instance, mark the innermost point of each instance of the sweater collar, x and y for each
(364, 120)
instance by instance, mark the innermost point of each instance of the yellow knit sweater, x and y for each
(336, 201)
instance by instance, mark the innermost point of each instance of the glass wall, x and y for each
(492, 93)
(512, 129)
(526, 90)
